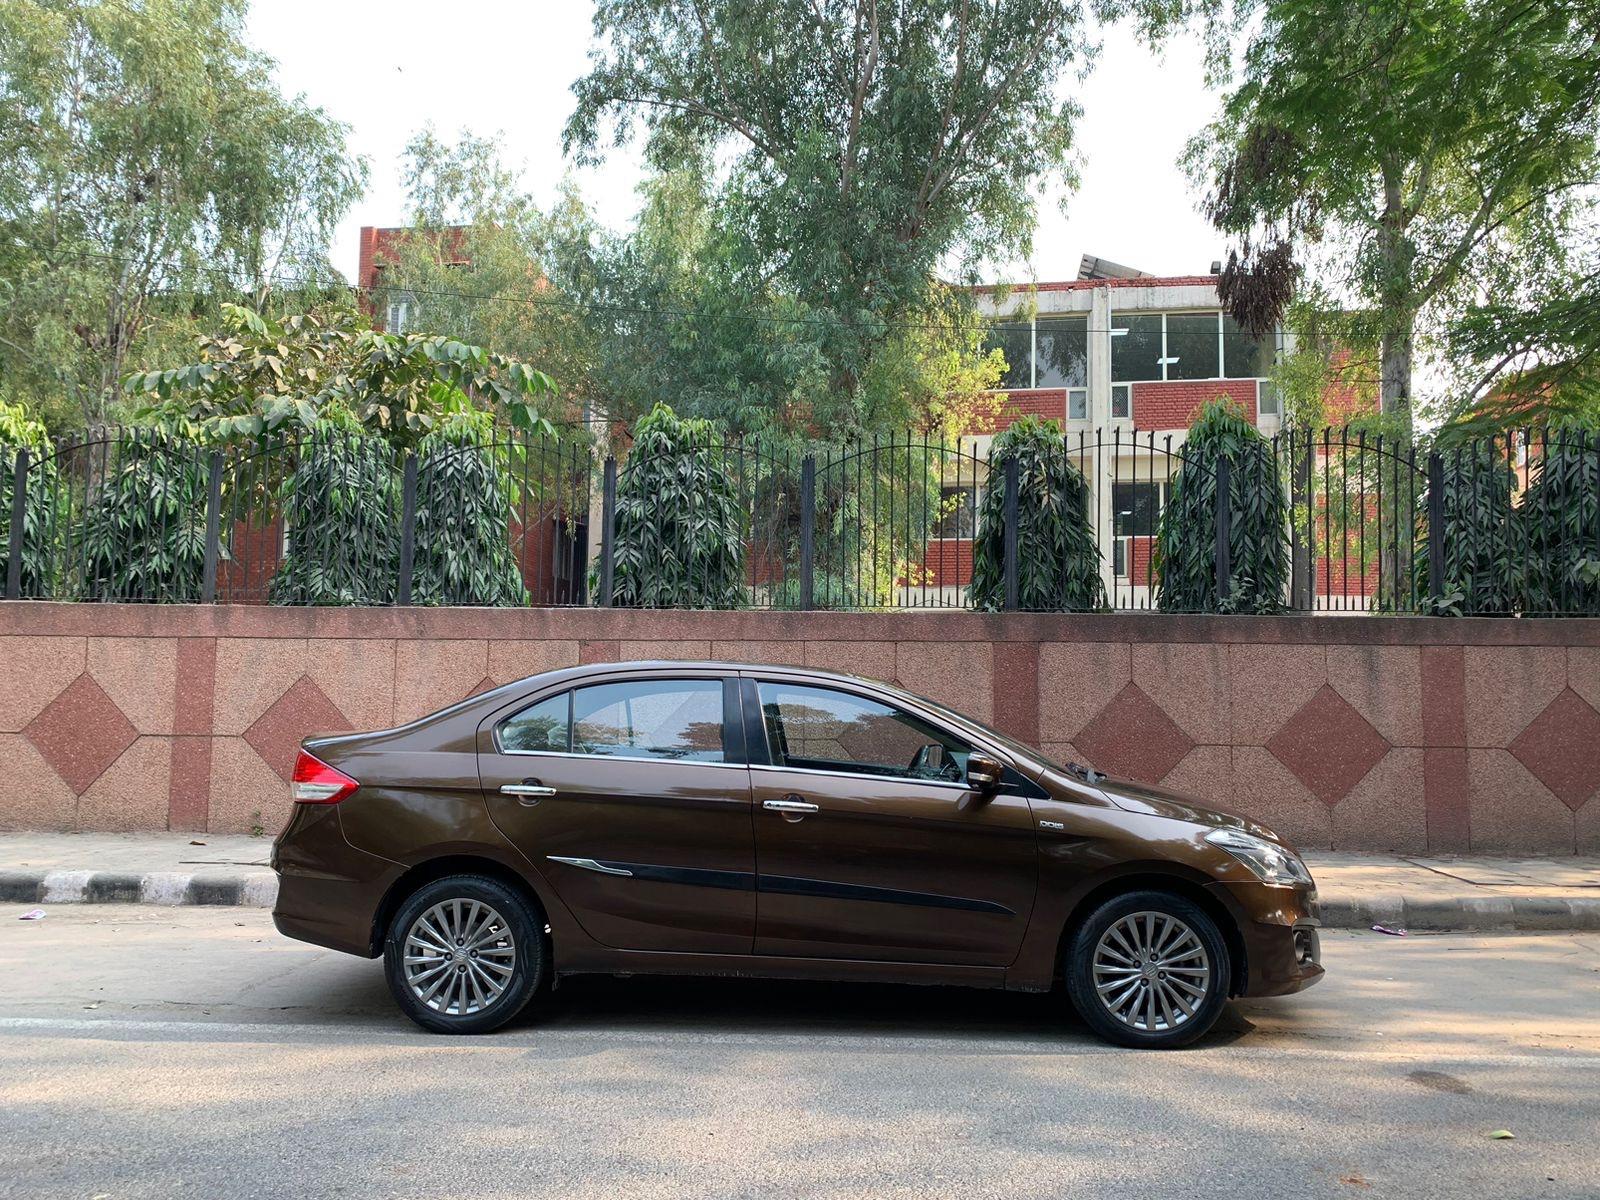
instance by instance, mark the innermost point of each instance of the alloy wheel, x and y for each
(459, 957)
(1151, 971)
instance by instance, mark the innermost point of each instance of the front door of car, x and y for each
(869, 845)
(628, 797)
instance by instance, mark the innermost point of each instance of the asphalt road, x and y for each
(195, 1053)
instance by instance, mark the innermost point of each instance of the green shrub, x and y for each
(341, 507)
(1058, 566)
(1184, 558)
(1559, 523)
(19, 431)
(463, 551)
(144, 525)
(1477, 536)
(680, 530)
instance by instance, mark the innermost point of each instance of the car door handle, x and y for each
(790, 805)
(527, 793)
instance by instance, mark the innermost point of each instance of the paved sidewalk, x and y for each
(1357, 890)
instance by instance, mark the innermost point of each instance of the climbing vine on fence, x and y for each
(1184, 558)
(1476, 537)
(340, 504)
(680, 530)
(144, 528)
(1058, 566)
(462, 554)
(1559, 523)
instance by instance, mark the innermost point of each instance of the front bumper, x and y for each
(1280, 930)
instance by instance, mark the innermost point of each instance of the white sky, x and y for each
(507, 67)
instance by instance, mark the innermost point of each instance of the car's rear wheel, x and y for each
(1148, 969)
(464, 954)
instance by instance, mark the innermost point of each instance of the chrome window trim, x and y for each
(674, 762)
(571, 688)
(938, 783)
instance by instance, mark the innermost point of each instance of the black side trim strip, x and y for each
(789, 885)
(736, 881)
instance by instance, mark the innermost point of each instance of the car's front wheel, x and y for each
(1148, 969)
(464, 954)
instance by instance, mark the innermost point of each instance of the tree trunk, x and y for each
(1394, 370)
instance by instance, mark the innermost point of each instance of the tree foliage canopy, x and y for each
(1413, 156)
(146, 155)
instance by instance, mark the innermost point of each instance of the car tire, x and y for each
(1148, 969)
(455, 941)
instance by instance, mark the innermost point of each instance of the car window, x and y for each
(823, 729)
(544, 726)
(650, 718)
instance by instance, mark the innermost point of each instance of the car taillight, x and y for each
(315, 782)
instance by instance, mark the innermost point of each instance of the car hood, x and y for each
(1160, 802)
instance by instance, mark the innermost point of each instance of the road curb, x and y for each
(259, 889)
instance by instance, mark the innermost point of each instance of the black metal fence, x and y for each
(1338, 521)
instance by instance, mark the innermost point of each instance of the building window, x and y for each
(1244, 355)
(1267, 399)
(1136, 348)
(1077, 404)
(1050, 353)
(958, 506)
(1061, 352)
(1122, 401)
(399, 311)
(1135, 513)
(1014, 339)
(1194, 351)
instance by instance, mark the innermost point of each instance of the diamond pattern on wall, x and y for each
(484, 685)
(80, 733)
(1132, 736)
(1327, 745)
(301, 711)
(1561, 748)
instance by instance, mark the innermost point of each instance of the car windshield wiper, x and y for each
(1088, 774)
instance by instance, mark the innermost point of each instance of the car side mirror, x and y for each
(983, 772)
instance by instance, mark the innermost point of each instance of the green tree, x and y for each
(146, 153)
(19, 431)
(1058, 566)
(144, 524)
(340, 504)
(474, 266)
(1412, 156)
(863, 146)
(680, 536)
(1183, 560)
(256, 375)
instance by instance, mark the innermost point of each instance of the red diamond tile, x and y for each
(301, 711)
(80, 733)
(1133, 737)
(1328, 746)
(1561, 746)
(484, 685)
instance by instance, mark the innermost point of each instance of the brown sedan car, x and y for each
(715, 818)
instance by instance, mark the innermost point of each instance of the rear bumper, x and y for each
(328, 891)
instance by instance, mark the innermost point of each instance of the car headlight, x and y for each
(1270, 862)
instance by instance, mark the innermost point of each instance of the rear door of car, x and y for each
(630, 794)
(869, 848)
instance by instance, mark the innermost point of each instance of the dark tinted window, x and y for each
(823, 729)
(650, 718)
(1245, 357)
(542, 727)
(1015, 341)
(1136, 354)
(1063, 357)
(1192, 341)
(957, 511)
(1137, 508)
